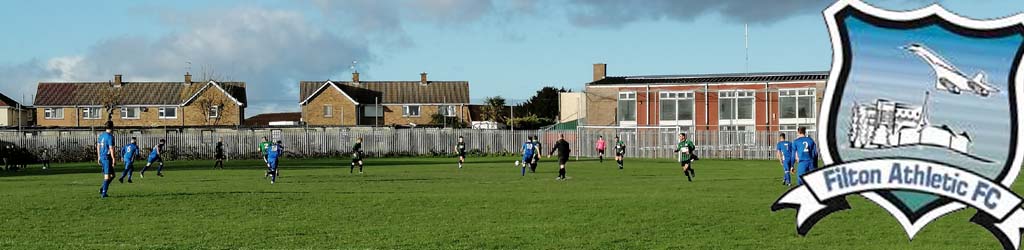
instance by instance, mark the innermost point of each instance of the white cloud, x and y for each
(268, 49)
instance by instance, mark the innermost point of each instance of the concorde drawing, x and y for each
(948, 77)
(889, 124)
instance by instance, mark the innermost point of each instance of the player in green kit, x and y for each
(263, 147)
(686, 157)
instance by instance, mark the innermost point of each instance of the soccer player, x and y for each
(154, 156)
(528, 150)
(460, 148)
(273, 155)
(686, 157)
(129, 152)
(562, 147)
(806, 154)
(219, 154)
(263, 147)
(357, 156)
(46, 158)
(784, 152)
(105, 157)
(600, 145)
(536, 157)
(620, 151)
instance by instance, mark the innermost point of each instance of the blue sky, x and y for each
(503, 47)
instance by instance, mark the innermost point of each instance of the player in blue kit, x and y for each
(128, 154)
(273, 154)
(806, 154)
(528, 154)
(154, 156)
(105, 156)
(784, 152)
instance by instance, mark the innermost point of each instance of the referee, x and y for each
(562, 147)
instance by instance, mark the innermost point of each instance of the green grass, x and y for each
(426, 203)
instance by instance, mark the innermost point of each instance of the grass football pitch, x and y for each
(428, 203)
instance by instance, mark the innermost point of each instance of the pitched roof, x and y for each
(715, 78)
(393, 92)
(130, 93)
(8, 102)
(265, 119)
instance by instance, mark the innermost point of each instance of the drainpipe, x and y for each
(647, 118)
(707, 108)
(767, 107)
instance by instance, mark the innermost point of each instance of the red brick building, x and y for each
(736, 102)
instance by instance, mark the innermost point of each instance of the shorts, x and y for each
(272, 162)
(106, 165)
(563, 159)
(128, 164)
(617, 154)
(462, 154)
(219, 156)
(600, 151)
(154, 158)
(528, 158)
(687, 161)
(357, 160)
(787, 165)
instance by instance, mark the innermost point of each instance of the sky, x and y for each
(509, 48)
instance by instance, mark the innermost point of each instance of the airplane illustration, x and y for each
(948, 77)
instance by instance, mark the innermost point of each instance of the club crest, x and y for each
(920, 116)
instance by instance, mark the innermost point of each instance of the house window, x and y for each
(91, 113)
(736, 107)
(130, 113)
(627, 108)
(676, 108)
(168, 112)
(215, 112)
(53, 113)
(328, 111)
(446, 110)
(796, 106)
(411, 110)
(373, 111)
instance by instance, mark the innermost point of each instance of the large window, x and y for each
(53, 113)
(411, 111)
(130, 113)
(736, 107)
(796, 106)
(91, 113)
(446, 110)
(373, 111)
(627, 108)
(328, 111)
(676, 108)
(168, 112)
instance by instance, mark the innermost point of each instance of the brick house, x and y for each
(141, 104)
(382, 103)
(13, 114)
(771, 101)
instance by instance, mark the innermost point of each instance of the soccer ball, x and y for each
(517, 163)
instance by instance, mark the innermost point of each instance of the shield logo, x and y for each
(912, 94)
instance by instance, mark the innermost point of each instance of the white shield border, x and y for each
(912, 228)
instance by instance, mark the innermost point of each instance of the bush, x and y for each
(530, 122)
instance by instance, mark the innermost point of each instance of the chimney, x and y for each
(188, 78)
(600, 71)
(117, 81)
(423, 78)
(355, 77)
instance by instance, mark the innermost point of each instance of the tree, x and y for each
(448, 122)
(544, 104)
(109, 98)
(494, 109)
